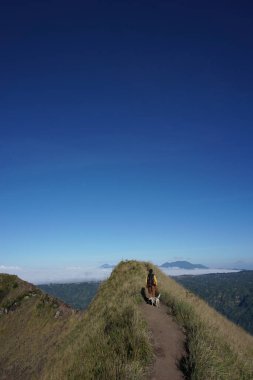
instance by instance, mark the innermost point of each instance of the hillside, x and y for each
(41, 338)
(31, 327)
(77, 295)
(229, 293)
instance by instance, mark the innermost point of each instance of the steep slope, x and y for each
(31, 325)
(111, 340)
(229, 293)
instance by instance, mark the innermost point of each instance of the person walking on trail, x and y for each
(151, 283)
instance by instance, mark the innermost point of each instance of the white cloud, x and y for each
(73, 268)
(87, 273)
(9, 269)
(194, 272)
(59, 275)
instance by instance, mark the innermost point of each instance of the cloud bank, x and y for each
(195, 272)
(84, 273)
(8, 269)
(58, 275)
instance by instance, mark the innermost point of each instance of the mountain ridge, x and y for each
(182, 265)
(107, 266)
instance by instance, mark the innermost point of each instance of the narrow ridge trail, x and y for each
(168, 340)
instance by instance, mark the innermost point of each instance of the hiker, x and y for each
(151, 283)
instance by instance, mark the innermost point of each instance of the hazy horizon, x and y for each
(94, 273)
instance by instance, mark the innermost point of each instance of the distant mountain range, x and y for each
(107, 266)
(183, 265)
(174, 264)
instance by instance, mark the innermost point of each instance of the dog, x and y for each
(155, 301)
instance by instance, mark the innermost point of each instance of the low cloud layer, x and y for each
(58, 275)
(7, 269)
(194, 272)
(79, 273)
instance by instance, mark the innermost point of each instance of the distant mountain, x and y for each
(107, 266)
(183, 265)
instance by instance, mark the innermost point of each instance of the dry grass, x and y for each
(111, 341)
(29, 332)
(218, 349)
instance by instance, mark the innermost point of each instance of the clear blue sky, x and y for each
(126, 132)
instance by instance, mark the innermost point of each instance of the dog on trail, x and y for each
(155, 301)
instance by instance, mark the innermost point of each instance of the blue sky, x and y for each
(126, 132)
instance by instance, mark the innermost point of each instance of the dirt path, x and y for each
(168, 340)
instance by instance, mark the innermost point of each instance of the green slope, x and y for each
(229, 293)
(77, 295)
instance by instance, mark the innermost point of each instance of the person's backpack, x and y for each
(151, 281)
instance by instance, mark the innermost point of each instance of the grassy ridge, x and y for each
(111, 341)
(116, 335)
(218, 349)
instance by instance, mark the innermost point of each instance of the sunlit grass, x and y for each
(111, 341)
(218, 349)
